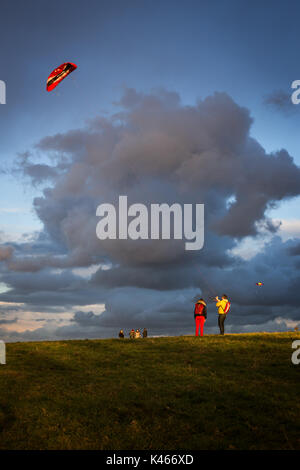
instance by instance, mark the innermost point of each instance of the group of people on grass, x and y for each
(200, 313)
(133, 334)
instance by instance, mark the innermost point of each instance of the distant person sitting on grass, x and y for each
(132, 334)
(145, 333)
(200, 315)
(138, 334)
(223, 306)
(121, 334)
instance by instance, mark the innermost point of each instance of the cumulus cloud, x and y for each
(156, 150)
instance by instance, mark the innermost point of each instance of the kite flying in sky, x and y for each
(259, 284)
(59, 74)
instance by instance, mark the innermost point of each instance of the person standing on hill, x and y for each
(132, 334)
(223, 306)
(200, 315)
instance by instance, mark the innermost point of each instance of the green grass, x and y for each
(176, 393)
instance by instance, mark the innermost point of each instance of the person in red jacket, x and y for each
(200, 315)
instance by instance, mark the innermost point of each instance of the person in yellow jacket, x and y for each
(222, 311)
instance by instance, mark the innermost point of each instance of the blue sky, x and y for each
(194, 48)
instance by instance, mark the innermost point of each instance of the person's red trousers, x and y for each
(199, 324)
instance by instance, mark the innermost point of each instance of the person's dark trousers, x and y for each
(221, 320)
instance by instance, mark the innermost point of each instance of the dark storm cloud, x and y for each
(5, 253)
(40, 172)
(38, 291)
(134, 306)
(7, 322)
(9, 308)
(280, 101)
(295, 250)
(86, 318)
(265, 179)
(157, 150)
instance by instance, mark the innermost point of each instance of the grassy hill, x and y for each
(231, 392)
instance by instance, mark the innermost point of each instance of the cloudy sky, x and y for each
(172, 101)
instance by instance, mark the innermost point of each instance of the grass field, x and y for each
(173, 393)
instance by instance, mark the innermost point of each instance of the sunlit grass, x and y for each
(231, 392)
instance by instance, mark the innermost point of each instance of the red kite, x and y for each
(59, 74)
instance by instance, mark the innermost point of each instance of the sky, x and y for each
(172, 101)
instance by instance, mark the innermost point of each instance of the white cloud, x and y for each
(289, 228)
(96, 308)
